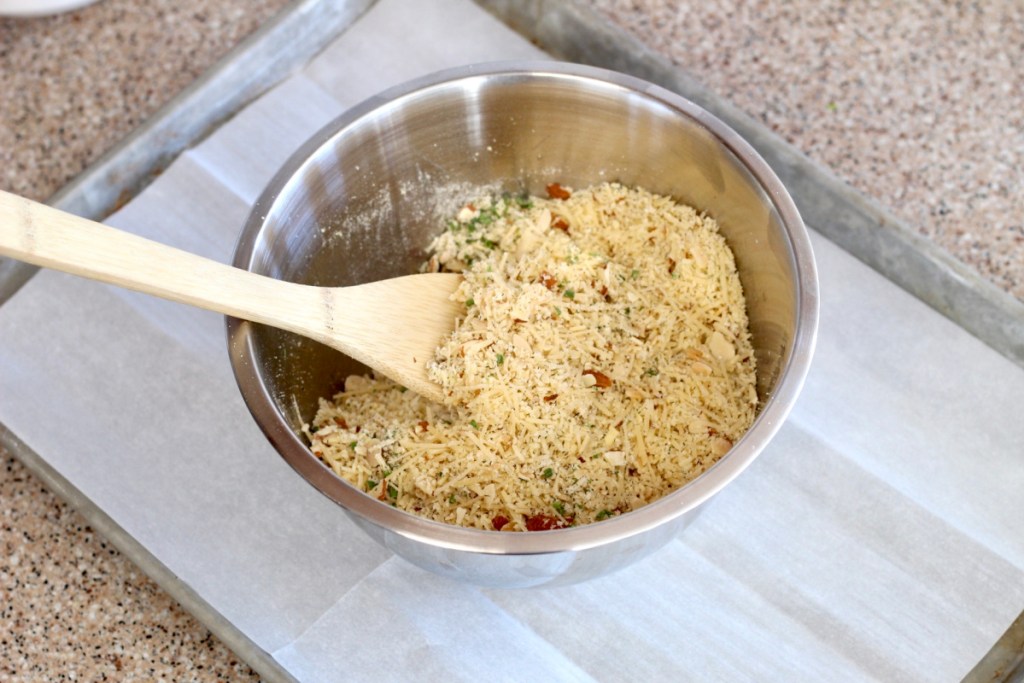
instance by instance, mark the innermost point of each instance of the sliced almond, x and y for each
(720, 347)
(617, 458)
(720, 445)
(700, 367)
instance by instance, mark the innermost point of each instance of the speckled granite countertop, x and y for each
(917, 105)
(72, 607)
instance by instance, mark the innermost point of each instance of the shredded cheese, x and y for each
(603, 360)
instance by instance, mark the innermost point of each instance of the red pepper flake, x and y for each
(340, 421)
(548, 280)
(603, 380)
(499, 521)
(546, 523)
(550, 397)
(560, 223)
(581, 459)
(671, 266)
(556, 191)
(423, 424)
(604, 292)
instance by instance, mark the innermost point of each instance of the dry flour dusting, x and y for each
(603, 361)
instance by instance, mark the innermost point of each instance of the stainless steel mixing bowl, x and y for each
(362, 199)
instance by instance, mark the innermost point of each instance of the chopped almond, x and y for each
(601, 380)
(556, 191)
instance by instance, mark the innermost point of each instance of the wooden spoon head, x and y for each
(394, 326)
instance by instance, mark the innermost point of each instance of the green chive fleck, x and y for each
(651, 372)
(501, 358)
(559, 507)
(371, 484)
(548, 473)
(452, 500)
(473, 424)
(470, 303)
(353, 444)
(635, 274)
(569, 294)
(603, 514)
(392, 492)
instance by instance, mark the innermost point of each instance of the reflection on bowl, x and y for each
(362, 200)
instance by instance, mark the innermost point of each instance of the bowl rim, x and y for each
(447, 536)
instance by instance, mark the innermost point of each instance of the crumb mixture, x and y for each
(604, 360)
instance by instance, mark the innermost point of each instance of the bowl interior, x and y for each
(362, 201)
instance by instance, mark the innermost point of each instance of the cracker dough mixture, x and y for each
(604, 360)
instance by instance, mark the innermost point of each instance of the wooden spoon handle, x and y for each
(51, 238)
(391, 325)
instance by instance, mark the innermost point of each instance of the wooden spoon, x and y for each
(393, 326)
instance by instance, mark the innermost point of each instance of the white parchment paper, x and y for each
(880, 536)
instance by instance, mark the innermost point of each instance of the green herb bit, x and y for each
(313, 429)
(651, 372)
(548, 473)
(353, 444)
(569, 294)
(392, 492)
(635, 274)
(490, 244)
(371, 484)
(559, 507)
(473, 424)
(500, 358)
(603, 514)
(558, 311)
(452, 500)
(470, 303)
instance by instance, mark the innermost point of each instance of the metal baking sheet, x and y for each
(139, 154)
